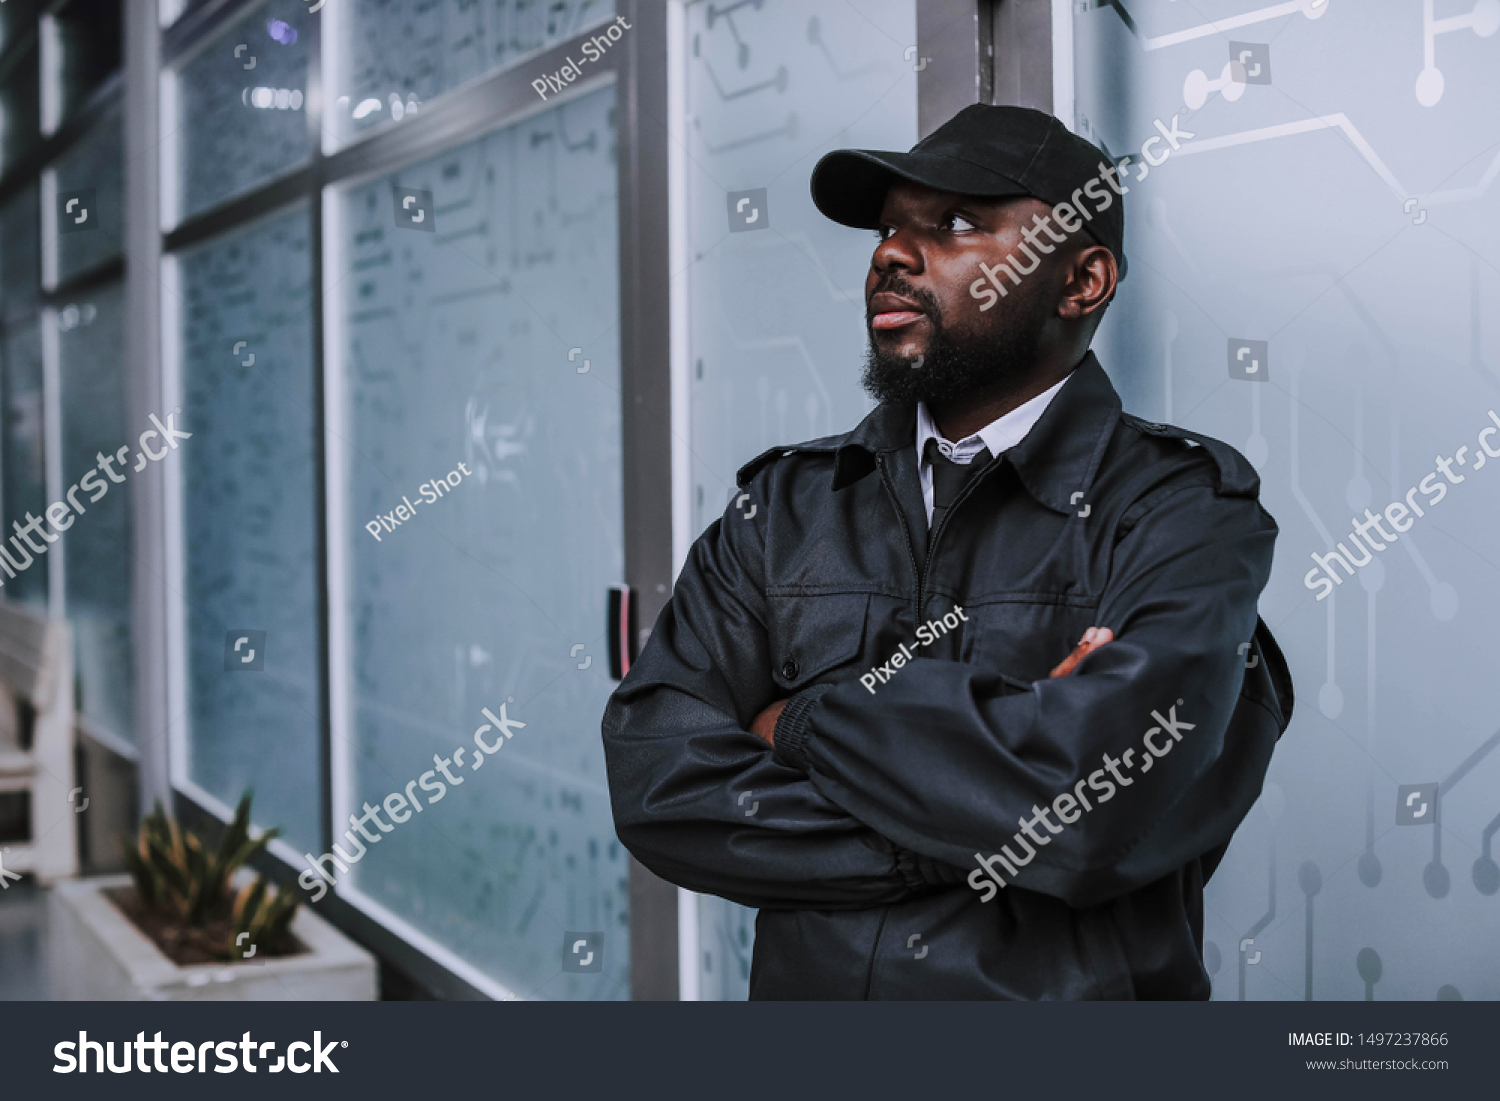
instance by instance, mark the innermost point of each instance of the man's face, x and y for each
(929, 339)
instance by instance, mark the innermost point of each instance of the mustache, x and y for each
(895, 283)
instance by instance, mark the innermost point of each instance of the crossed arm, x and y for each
(764, 724)
(852, 812)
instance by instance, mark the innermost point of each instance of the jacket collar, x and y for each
(1058, 458)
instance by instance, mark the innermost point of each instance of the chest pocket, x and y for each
(813, 636)
(1024, 638)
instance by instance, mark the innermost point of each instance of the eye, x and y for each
(958, 223)
(883, 233)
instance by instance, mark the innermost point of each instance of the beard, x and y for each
(957, 365)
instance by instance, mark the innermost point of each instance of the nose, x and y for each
(896, 251)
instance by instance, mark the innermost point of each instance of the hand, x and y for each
(1092, 639)
(764, 726)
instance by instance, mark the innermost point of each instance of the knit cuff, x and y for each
(790, 734)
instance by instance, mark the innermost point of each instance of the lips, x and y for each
(891, 311)
(896, 319)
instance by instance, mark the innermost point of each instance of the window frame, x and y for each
(492, 101)
(100, 108)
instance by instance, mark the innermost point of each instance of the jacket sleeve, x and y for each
(697, 798)
(949, 758)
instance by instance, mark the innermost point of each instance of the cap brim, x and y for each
(849, 185)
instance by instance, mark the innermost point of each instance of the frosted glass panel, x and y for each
(22, 459)
(241, 107)
(19, 254)
(726, 934)
(93, 171)
(23, 463)
(1336, 201)
(396, 54)
(19, 106)
(250, 523)
(97, 562)
(777, 309)
(16, 18)
(90, 41)
(481, 365)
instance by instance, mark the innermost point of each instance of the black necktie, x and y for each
(949, 479)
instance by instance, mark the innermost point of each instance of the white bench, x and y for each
(36, 668)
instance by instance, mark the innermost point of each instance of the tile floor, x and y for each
(23, 917)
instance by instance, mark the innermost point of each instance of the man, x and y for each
(850, 714)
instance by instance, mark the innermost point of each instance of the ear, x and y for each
(1091, 281)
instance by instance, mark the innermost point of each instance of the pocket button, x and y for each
(789, 670)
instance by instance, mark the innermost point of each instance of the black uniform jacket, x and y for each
(857, 835)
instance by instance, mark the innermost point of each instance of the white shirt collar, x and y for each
(999, 435)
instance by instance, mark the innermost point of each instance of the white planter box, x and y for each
(95, 953)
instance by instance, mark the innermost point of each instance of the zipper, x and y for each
(911, 549)
(932, 541)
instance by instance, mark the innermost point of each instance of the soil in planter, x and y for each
(184, 946)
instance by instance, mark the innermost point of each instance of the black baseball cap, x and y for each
(988, 151)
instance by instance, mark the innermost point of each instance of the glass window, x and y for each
(89, 40)
(97, 562)
(19, 240)
(1319, 292)
(777, 319)
(20, 107)
(480, 371)
(398, 54)
(250, 522)
(173, 10)
(17, 19)
(92, 172)
(241, 108)
(23, 470)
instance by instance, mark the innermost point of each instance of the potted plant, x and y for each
(189, 922)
